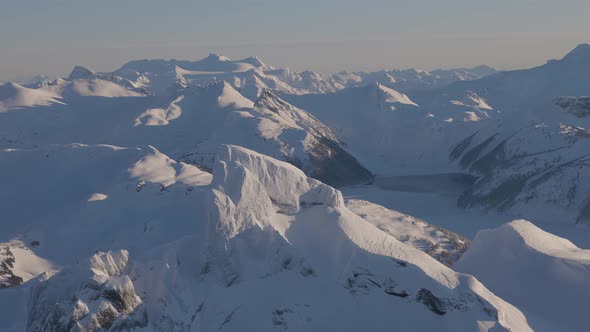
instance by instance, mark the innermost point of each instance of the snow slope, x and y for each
(263, 247)
(443, 245)
(533, 161)
(389, 131)
(18, 264)
(93, 196)
(538, 171)
(278, 129)
(188, 125)
(128, 229)
(514, 130)
(15, 96)
(544, 275)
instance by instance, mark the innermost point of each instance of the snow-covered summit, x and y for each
(212, 57)
(526, 268)
(251, 75)
(256, 62)
(15, 96)
(276, 128)
(392, 96)
(307, 227)
(80, 72)
(263, 246)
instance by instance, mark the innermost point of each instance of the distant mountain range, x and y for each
(203, 195)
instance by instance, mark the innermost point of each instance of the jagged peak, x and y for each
(310, 74)
(80, 72)
(255, 72)
(266, 95)
(271, 101)
(252, 183)
(284, 183)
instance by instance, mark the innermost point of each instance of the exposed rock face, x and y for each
(263, 246)
(324, 158)
(250, 189)
(19, 263)
(578, 106)
(7, 260)
(441, 244)
(541, 171)
(95, 297)
(278, 129)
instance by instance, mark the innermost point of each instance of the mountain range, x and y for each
(173, 195)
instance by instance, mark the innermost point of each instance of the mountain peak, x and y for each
(254, 61)
(483, 70)
(216, 58)
(80, 72)
(268, 99)
(9, 90)
(228, 96)
(392, 96)
(11, 86)
(581, 52)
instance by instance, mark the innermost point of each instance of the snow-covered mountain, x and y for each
(534, 160)
(262, 247)
(174, 195)
(278, 129)
(188, 125)
(251, 76)
(524, 133)
(443, 245)
(539, 171)
(390, 131)
(544, 261)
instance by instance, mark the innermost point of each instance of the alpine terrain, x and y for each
(231, 195)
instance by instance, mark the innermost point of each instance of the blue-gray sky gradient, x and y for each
(50, 37)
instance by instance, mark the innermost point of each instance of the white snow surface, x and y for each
(544, 275)
(439, 243)
(251, 76)
(176, 195)
(188, 125)
(263, 247)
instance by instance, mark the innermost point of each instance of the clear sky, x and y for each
(51, 36)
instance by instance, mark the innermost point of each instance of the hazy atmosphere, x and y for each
(49, 36)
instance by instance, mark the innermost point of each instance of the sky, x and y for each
(51, 36)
